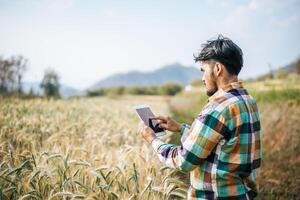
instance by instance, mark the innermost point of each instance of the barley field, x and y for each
(88, 148)
(85, 148)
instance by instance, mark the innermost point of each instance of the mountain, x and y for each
(291, 68)
(288, 68)
(174, 72)
(65, 91)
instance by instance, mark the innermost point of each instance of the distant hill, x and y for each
(292, 68)
(174, 72)
(65, 91)
(288, 68)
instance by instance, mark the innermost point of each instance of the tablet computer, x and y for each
(144, 112)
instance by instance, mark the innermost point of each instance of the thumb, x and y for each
(163, 125)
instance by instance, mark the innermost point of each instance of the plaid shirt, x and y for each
(221, 149)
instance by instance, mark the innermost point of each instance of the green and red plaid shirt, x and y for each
(221, 149)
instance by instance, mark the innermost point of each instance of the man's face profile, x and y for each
(208, 78)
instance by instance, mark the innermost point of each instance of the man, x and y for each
(221, 149)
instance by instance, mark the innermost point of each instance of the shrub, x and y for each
(171, 88)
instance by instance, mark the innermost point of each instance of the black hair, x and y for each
(222, 50)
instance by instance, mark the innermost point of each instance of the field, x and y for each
(88, 148)
(279, 105)
(80, 149)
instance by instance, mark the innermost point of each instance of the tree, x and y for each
(297, 66)
(20, 67)
(11, 74)
(50, 84)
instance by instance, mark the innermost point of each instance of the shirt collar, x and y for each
(226, 88)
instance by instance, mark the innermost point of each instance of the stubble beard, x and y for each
(211, 92)
(215, 89)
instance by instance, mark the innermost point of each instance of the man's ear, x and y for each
(218, 69)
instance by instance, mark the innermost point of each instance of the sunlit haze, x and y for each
(85, 41)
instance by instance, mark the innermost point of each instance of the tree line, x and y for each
(12, 70)
(169, 88)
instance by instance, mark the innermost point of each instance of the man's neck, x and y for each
(223, 82)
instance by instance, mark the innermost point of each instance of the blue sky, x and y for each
(85, 41)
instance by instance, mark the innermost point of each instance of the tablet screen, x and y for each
(145, 114)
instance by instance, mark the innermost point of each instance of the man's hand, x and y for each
(168, 123)
(146, 132)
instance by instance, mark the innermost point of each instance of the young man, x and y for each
(221, 149)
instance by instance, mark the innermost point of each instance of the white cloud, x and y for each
(289, 21)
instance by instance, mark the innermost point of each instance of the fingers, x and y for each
(141, 126)
(163, 125)
(160, 118)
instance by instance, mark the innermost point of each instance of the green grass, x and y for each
(279, 177)
(278, 96)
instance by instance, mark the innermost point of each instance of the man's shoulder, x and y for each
(230, 100)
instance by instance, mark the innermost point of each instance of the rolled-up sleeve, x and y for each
(197, 142)
(184, 128)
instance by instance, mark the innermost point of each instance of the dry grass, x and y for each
(280, 175)
(279, 105)
(89, 149)
(80, 149)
